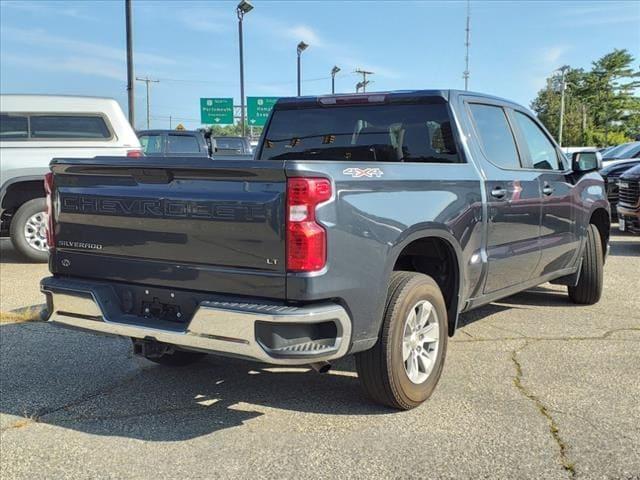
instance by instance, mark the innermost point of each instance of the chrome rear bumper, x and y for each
(225, 328)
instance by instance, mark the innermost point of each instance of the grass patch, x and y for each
(34, 313)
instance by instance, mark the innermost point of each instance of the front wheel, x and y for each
(589, 288)
(403, 368)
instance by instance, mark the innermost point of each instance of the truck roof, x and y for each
(398, 95)
(56, 103)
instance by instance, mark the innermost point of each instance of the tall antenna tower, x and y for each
(467, 42)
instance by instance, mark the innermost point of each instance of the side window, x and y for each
(69, 127)
(542, 152)
(13, 126)
(495, 135)
(182, 144)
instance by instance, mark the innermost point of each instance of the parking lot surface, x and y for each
(533, 387)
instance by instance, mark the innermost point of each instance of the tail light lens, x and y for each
(134, 153)
(306, 238)
(48, 188)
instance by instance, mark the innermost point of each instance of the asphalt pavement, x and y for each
(533, 387)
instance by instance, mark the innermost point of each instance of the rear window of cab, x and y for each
(385, 133)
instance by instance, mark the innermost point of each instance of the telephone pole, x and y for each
(147, 80)
(130, 89)
(467, 43)
(363, 84)
(563, 88)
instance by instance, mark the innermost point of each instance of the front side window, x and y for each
(182, 144)
(495, 135)
(13, 126)
(542, 152)
(384, 133)
(69, 127)
(151, 144)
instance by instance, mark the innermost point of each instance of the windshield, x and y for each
(626, 150)
(386, 133)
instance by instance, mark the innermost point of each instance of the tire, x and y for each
(381, 369)
(179, 358)
(18, 235)
(589, 288)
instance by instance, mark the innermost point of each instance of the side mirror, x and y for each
(582, 162)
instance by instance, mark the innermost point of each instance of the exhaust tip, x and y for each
(321, 367)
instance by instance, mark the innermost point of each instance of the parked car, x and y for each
(629, 202)
(178, 143)
(33, 130)
(364, 226)
(625, 151)
(230, 146)
(610, 174)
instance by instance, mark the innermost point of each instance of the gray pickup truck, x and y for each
(365, 225)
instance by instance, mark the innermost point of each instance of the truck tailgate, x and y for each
(191, 223)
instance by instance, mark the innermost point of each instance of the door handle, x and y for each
(547, 189)
(498, 192)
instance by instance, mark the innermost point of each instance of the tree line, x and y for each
(602, 106)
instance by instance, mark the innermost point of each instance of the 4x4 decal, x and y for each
(363, 172)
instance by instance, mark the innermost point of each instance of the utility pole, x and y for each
(170, 127)
(364, 82)
(563, 87)
(147, 80)
(130, 89)
(467, 43)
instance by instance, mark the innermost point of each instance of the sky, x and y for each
(191, 47)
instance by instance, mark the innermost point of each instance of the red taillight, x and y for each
(134, 153)
(306, 238)
(48, 188)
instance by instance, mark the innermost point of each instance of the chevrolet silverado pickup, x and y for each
(364, 225)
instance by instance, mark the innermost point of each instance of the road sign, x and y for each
(180, 127)
(216, 111)
(258, 109)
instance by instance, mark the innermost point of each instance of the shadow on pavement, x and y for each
(93, 384)
(8, 254)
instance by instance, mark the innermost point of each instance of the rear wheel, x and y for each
(28, 230)
(403, 368)
(589, 288)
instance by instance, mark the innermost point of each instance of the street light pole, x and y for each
(243, 7)
(130, 76)
(301, 48)
(563, 87)
(147, 80)
(334, 70)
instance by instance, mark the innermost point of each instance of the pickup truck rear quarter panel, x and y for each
(368, 225)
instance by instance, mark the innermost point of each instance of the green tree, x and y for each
(601, 106)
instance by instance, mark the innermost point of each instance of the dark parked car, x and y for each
(629, 202)
(364, 226)
(610, 174)
(161, 143)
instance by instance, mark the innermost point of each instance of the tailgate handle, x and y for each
(152, 175)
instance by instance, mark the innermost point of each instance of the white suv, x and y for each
(37, 128)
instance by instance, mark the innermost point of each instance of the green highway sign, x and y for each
(216, 111)
(258, 109)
